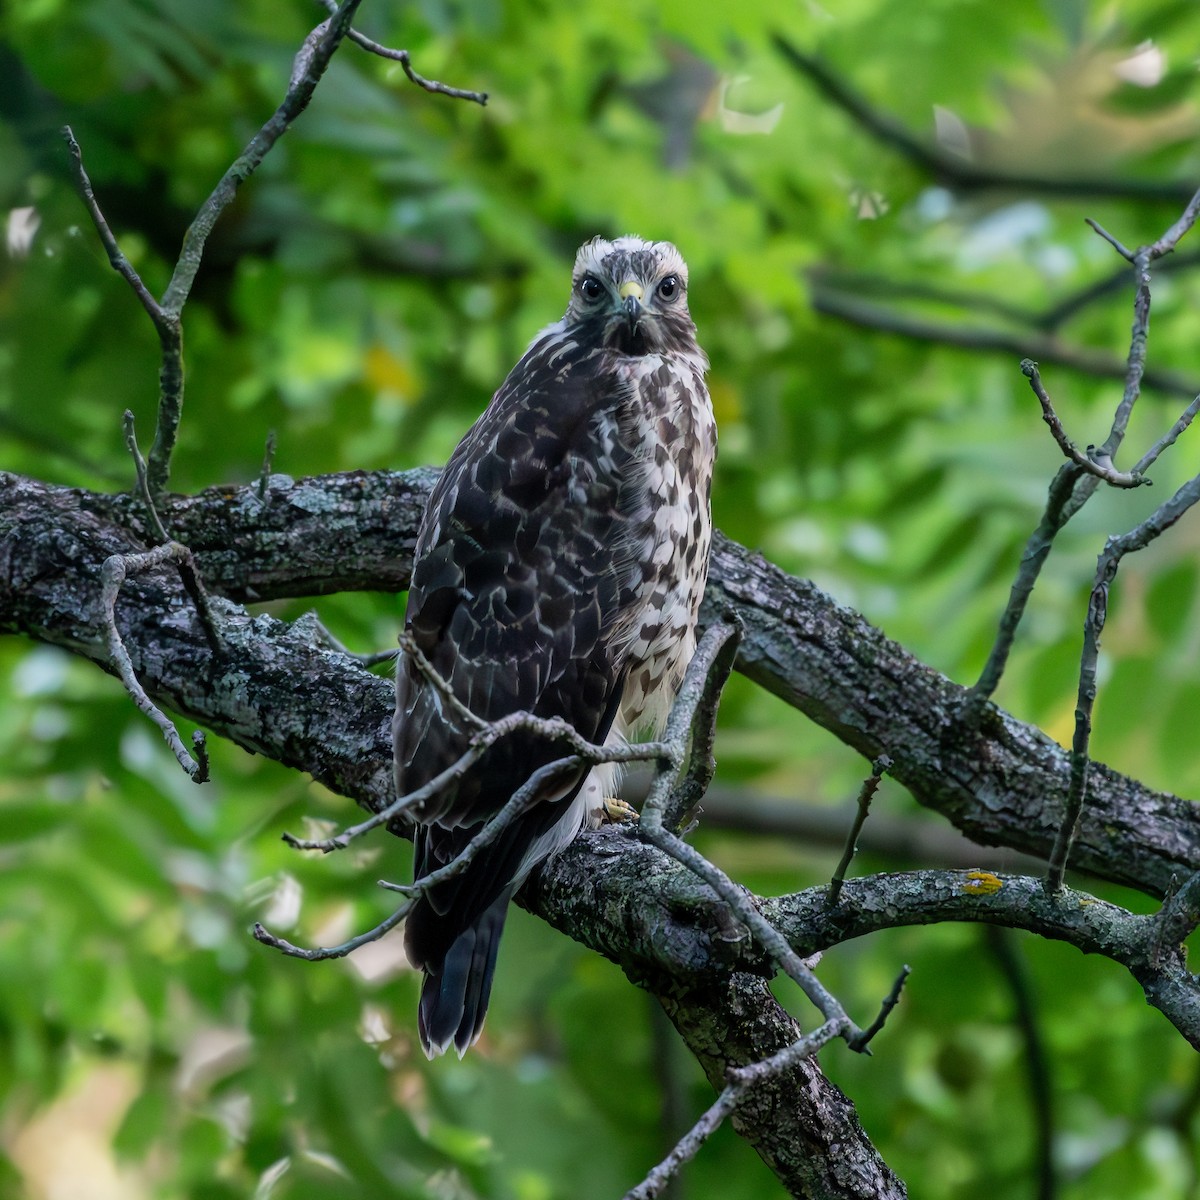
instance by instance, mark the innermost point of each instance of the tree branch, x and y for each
(1092, 463)
(284, 695)
(1030, 344)
(950, 168)
(1146, 945)
(355, 531)
(402, 57)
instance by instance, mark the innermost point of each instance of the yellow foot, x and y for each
(616, 811)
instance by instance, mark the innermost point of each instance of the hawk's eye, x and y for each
(669, 288)
(591, 289)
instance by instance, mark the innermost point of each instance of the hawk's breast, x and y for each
(675, 436)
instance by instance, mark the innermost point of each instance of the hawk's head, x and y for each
(632, 295)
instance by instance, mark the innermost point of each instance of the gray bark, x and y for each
(276, 690)
(1003, 784)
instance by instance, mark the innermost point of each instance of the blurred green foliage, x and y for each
(366, 293)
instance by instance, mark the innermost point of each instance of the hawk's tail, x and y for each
(457, 987)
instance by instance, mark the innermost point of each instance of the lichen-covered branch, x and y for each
(278, 690)
(356, 531)
(1147, 946)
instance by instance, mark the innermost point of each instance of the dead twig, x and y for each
(1077, 480)
(866, 794)
(113, 574)
(1094, 462)
(402, 57)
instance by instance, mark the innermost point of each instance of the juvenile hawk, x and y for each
(558, 570)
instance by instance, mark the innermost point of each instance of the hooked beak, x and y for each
(631, 292)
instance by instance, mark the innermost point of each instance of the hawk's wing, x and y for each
(522, 570)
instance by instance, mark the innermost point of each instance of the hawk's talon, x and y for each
(615, 811)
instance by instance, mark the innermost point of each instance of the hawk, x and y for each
(558, 571)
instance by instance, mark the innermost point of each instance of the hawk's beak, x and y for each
(631, 292)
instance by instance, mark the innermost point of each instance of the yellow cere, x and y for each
(982, 883)
(630, 287)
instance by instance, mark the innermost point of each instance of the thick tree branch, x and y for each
(999, 782)
(277, 692)
(1147, 946)
(673, 936)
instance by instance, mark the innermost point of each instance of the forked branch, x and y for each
(1077, 480)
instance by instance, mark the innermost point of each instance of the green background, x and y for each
(364, 296)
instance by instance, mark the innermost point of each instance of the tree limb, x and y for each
(952, 169)
(1016, 343)
(278, 691)
(999, 783)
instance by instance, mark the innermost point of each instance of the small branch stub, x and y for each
(866, 794)
(861, 1043)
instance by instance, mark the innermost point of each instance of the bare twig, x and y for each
(863, 1040)
(520, 802)
(311, 63)
(314, 60)
(185, 562)
(165, 320)
(402, 57)
(1077, 481)
(1106, 569)
(1171, 238)
(1168, 439)
(119, 262)
(340, 951)
(1141, 260)
(694, 693)
(701, 695)
(113, 574)
(1068, 484)
(397, 808)
(1097, 613)
(1135, 370)
(584, 753)
(1094, 462)
(742, 906)
(264, 474)
(408, 645)
(740, 1081)
(1119, 247)
(866, 793)
(322, 636)
(143, 487)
